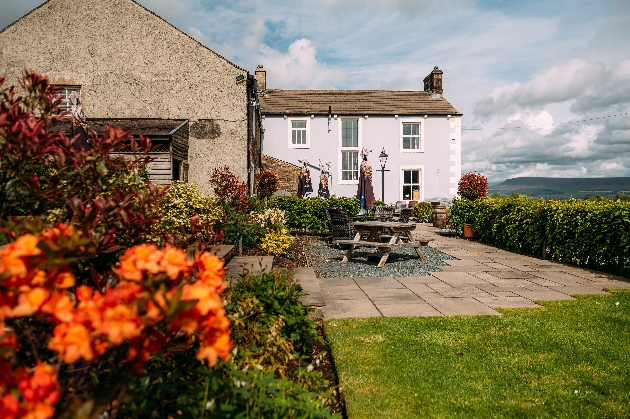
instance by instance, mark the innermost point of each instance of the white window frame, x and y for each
(419, 121)
(402, 180)
(64, 92)
(308, 132)
(357, 149)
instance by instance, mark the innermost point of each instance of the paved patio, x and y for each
(482, 279)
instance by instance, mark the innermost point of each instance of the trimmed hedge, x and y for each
(592, 234)
(308, 214)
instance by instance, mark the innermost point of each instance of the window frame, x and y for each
(308, 132)
(420, 122)
(420, 169)
(66, 88)
(357, 149)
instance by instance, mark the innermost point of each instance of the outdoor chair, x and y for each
(384, 213)
(405, 213)
(339, 224)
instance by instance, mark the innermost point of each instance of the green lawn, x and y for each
(570, 359)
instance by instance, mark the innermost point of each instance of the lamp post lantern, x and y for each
(383, 159)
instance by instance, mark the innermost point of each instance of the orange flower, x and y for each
(60, 306)
(211, 271)
(120, 323)
(65, 280)
(9, 406)
(139, 259)
(30, 302)
(71, 341)
(216, 343)
(174, 262)
(41, 385)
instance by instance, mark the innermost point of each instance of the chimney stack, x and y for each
(433, 83)
(261, 76)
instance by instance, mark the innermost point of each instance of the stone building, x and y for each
(128, 63)
(420, 132)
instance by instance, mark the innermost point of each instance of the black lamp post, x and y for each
(383, 159)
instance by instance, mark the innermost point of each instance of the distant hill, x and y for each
(563, 188)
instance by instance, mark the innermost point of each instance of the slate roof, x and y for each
(353, 102)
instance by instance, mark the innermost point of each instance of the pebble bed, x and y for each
(326, 261)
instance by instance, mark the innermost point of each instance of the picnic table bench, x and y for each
(401, 238)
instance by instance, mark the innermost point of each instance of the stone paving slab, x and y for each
(453, 278)
(548, 295)
(484, 278)
(341, 309)
(465, 306)
(240, 265)
(507, 302)
(408, 310)
(574, 290)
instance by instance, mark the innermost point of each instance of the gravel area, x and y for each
(326, 261)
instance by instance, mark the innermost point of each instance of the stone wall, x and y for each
(130, 63)
(287, 173)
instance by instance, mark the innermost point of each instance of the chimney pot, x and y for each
(261, 77)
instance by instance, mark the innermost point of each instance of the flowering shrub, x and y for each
(272, 219)
(266, 183)
(277, 243)
(230, 189)
(157, 299)
(180, 202)
(472, 186)
(423, 211)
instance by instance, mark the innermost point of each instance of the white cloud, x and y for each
(557, 84)
(299, 68)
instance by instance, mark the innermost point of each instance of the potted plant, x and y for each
(472, 186)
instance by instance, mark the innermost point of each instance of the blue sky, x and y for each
(515, 69)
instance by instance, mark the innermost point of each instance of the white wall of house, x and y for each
(437, 161)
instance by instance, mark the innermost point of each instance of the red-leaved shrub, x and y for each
(473, 186)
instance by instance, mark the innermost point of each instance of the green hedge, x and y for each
(593, 234)
(308, 214)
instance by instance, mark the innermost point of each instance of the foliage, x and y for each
(423, 211)
(180, 202)
(276, 295)
(155, 299)
(622, 197)
(236, 225)
(272, 219)
(566, 360)
(472, 186)
(266, 183)
(277, 243)
(309, 213)
(230, 189)
(593, 234)
(270, 331)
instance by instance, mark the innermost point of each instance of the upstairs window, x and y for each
(298, 133)
(411, 136)
(63, 93)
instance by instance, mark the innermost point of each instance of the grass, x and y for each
(570, 359)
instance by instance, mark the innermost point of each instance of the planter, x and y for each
(468, 231)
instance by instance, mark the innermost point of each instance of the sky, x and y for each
(521, 72)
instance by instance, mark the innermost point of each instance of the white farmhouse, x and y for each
(420, 131)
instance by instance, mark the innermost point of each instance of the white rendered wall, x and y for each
(440, 160)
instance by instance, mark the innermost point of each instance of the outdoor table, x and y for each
(400, 231)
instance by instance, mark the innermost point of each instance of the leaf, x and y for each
(100, 168)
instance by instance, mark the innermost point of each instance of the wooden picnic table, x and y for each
(400, 232)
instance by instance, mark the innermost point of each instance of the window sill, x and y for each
(299, 146)
(406, 150)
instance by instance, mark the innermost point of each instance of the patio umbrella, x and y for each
(79, 124)
(366, 191)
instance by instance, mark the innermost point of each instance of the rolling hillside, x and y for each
(563, 188)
